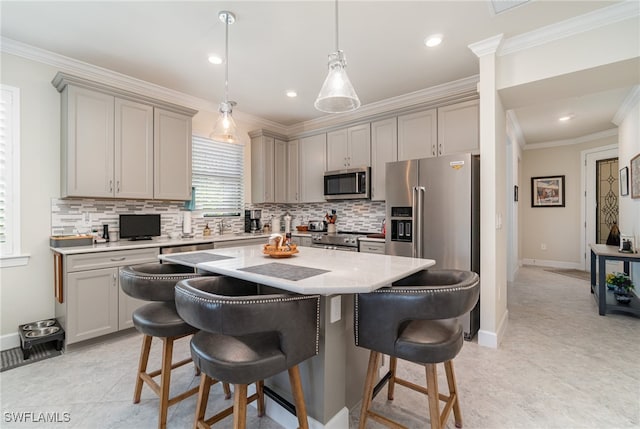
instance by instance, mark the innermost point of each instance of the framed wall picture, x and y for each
(624, 181)
(547, 191)
(635, 176)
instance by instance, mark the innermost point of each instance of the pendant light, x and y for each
(337, 94)
(225, 128)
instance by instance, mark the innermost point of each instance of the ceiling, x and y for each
(280, 46)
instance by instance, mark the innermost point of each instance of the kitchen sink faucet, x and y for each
(222, 226)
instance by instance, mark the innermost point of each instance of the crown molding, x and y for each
(486, 46)
(584, 139)
(598, 18)
(439, 95)
(127, 83)
(629, 103)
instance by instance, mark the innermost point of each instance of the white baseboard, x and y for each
(9, 341)
(553, 264)
(283, 417)
(493, 339)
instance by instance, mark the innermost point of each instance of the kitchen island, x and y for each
(333, 379)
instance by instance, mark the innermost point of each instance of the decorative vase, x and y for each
(623, 298)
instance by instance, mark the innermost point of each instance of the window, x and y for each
(10, 178)
(217, 176)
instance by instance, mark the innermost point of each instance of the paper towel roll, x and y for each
(186, 223)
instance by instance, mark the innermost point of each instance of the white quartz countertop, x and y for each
(343, 272)
(156, 242)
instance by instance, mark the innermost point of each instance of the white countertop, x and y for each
(156, 242)
(348, 272)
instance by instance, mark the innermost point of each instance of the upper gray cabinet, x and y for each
(418, 135)
(274, 168)
(349, 147)
(116, 144)
(313, 162)
(459, 128)
(384, 148)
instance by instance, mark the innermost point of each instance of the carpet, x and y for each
(12, 358)
(578, 274)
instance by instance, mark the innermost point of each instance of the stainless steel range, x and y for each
(344, 240)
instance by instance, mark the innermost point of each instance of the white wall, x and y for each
(26, 292)
(559, 228)
(629, 147)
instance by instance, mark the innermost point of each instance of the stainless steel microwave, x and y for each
(348, 184)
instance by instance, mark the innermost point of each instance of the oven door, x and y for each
(333, 247)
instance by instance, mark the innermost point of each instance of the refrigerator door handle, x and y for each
(419, 224)
(414, 220)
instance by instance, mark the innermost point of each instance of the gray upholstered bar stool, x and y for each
(248, 332)
(156, 282)
(415, 320)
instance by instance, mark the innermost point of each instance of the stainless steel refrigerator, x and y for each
(433, 212)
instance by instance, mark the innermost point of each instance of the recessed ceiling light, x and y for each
(433, 40)
(565, 118)
(292, 94)
(214, 59)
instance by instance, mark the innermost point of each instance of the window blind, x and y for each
(9, 170)
(218, 177)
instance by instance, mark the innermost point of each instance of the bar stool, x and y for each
(248, 332)
(415, 320)
(156, 282)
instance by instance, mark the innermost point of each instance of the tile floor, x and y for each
(560, 365)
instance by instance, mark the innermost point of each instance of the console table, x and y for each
(604, 298)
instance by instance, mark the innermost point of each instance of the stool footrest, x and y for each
(224, 413)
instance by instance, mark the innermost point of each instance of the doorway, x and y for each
(598, 209)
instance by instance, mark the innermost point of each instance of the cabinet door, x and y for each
(126, 306)
(359, 138)
(239, 243)
(262, 169)
(280, 171)
(313, 163)
(337, 153)
(92, 301)
(384, 148)
(293, 180)
(133, 150)
(458, 128)
(87, 143)
(171, 155)
(417, 135)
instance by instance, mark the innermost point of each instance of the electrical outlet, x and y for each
(336, 308)
(543, 246)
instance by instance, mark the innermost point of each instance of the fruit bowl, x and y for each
(280, 252)
(302, 228)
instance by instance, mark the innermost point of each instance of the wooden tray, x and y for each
(279, 252)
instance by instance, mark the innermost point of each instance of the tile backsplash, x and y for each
(71, 216)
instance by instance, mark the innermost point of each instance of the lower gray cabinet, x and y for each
(237, 243)
(93, 303)
(372, 247)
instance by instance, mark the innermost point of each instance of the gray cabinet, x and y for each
(171, 155)
(417, 135)
(459, 128)
(117, 144)
(384, 148)
(293, 171)
(303, 241)
(349, 147)
(93, 303)
(313, 161)
(271, 168)
(371, 247)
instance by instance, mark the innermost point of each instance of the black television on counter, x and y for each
(139, 226)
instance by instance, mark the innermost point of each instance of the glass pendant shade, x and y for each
(337, 94)
(225, 127)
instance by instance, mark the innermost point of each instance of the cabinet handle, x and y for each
(118, 186)
(110, 185)
(118, 259)
(440, 149)
(114, 279)
(433, 150)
